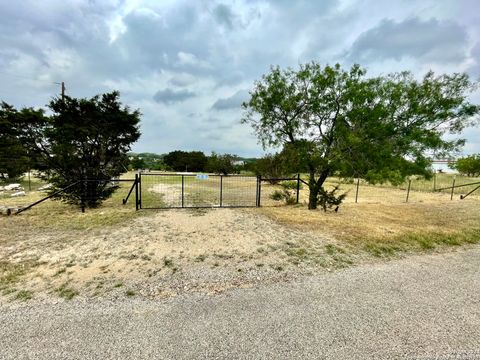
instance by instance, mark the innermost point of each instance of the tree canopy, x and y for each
(14, 158)
(335, 121)
(83, 139)
(179, 160)
(222, 164)
(468, 165)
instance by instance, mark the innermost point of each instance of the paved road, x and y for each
(425, 307)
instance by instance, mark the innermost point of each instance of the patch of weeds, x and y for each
(380, 250)
(146, 257)
(61, 271)
(331, 249)
(239, 270)
(66, 292)
(8, 291)
(167, 262)
(216, 264)
(278, 267)
(129, 257)
(342, 261)
(24, 295)
(298, 253)
(261, 250)
(70, 263)
(130, 293)
(117, 285)
(426, 244)
(260, 264)
(200, 258)
(10, 273)
(223, 256)
(174, 270)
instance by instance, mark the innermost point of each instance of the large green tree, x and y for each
(179, 160)
(14, 158)
(468, 165)
(222, 164)
(83, 139)
(336, 121)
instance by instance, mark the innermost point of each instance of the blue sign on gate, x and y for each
(202, 177)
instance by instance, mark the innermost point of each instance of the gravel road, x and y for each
(421, 307)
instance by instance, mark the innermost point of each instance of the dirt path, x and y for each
(164, 254)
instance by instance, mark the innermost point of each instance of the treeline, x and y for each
(191, 161)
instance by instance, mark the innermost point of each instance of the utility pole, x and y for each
(63, 91)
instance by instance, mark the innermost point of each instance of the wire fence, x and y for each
(158, 190)
(186, 190)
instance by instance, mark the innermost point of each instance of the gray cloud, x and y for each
(431, 40)
(197, 52)
(224, 15)
(232, 102)
(169, 96)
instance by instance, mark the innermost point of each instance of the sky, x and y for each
(188, 65)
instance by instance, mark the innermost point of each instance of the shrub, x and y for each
(287, 194)
(328, 199)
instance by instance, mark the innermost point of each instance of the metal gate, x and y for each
(161, 191)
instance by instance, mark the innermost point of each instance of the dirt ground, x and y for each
(163, 254)
(53, 252)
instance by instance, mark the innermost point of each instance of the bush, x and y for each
(287, 194)
(328, 199)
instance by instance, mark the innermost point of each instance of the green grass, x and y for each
(420, 241)
(66, 292)
(24, 295)
(11, 273)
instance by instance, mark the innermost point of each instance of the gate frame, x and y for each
(221, 205)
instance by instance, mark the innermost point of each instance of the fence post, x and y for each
(140, 190)
(221, 190)
(434, 180)
(259, 190)
(408, 189)
(82, 197)
(136, 192)
(183, 189)
(453, 188)
(298, 187)
(356, 193)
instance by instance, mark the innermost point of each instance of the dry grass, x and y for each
(55, 250)
(400, 226)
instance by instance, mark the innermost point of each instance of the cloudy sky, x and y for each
(188, 65)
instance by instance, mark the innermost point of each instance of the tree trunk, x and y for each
(313, 198)
(314, 187)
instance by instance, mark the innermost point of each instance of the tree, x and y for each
(221, 164)
(333, 121)
(469, 165)
(272, 167)
(185, 161)
(137, 162)
(14, 159)
(83, 139)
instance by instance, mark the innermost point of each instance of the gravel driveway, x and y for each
(423, 307)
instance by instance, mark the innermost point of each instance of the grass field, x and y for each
(54, 250)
